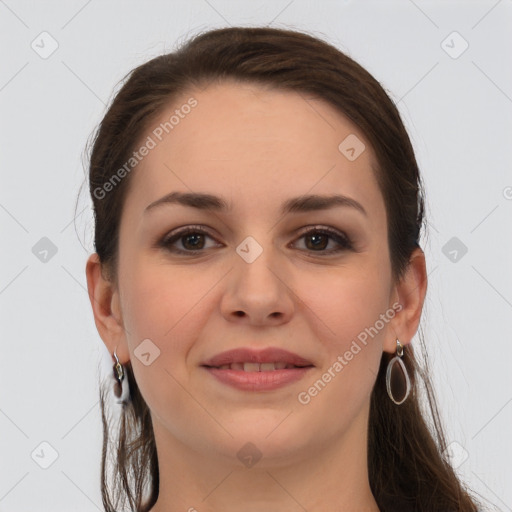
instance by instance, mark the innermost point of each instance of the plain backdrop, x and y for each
(444, 64)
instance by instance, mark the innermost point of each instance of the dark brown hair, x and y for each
(405, 443)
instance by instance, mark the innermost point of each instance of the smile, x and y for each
(257, 376)
(257, 367)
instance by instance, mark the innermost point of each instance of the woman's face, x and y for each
(256, 279)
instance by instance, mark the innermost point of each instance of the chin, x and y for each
(276, 442)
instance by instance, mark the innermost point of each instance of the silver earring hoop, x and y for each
(398, 384)
(121, 388)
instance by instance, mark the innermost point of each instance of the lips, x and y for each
(250, 360)
(257, 367)
(264, 370)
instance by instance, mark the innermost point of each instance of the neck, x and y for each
(332, 475)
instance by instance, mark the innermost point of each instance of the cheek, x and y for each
(165, 305)
(151, 300)
(350, 328)
(354, 294)
(344, 315)
(348, 311)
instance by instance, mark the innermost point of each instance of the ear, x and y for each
(409, 292)
(105, 304)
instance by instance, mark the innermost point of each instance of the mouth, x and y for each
(247, 369)
(258, 367)
(249, 359)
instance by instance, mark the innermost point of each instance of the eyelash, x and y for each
(339, 237)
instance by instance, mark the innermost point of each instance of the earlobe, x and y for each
(410, 292)
(105, 305)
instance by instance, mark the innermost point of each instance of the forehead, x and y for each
(244, 141)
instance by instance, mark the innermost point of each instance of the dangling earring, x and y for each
(398, 384)
(121, 388)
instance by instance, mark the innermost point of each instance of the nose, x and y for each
(258, 293)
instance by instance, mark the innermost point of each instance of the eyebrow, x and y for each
(305, 203)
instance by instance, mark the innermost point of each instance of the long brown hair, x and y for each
(407, 470)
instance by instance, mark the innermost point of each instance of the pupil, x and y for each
(195, 243)
(316, 238)
(196, 239)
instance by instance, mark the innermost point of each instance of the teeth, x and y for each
(251, 367)
(256, 367)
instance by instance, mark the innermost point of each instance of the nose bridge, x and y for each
(256, 288)
(256, 264)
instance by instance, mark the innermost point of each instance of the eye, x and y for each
(319, 239)
(192, 240)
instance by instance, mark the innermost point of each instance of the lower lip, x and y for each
(258, 381)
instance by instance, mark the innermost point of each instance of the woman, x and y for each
(258, 280)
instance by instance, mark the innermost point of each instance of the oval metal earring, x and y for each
(121, 389)
(398, 384)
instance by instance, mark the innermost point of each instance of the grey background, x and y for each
(457, 109)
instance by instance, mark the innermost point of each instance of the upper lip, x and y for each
(247, 355)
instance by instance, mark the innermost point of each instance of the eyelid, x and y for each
(183, 231)
(320, 227)
(340, 237)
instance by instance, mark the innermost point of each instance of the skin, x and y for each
(256, 148)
